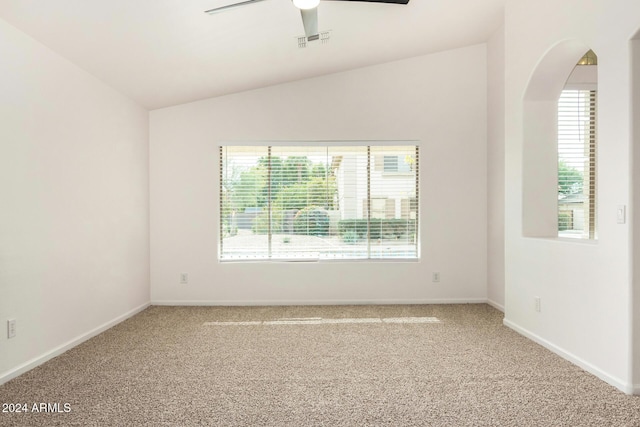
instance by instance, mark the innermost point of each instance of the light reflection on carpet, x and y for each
(321, 321)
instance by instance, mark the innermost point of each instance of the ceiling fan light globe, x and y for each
(306, 4)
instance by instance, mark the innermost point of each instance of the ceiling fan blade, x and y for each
(310, 22)
(231, 6)
(380, 1)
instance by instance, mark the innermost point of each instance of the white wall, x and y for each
(634, 215)
(74, 249)
(585, 288)
(438, 99)
(495, 169)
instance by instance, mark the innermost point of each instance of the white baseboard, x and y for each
(315, 302)
(621, 385)
(495, 305)
(21, 369)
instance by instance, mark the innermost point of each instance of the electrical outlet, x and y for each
(435, 277)
(184, 278)
(11, 328)
(537, 303)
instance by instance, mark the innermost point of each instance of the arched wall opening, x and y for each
(540, 149)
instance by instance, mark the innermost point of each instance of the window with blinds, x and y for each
(577, 165)
(319, 202)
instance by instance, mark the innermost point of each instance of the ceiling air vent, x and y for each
(322, 36)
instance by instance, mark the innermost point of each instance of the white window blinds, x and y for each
(577, 145)
(318, 202)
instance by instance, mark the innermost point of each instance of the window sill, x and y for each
(578, 240)
(317, 261)
(562, 239)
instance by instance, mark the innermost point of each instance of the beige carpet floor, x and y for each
(416, 365)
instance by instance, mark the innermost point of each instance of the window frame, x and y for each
(371, 255)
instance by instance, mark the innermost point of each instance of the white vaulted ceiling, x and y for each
(167, 52)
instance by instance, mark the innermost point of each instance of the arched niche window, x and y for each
(559, 157)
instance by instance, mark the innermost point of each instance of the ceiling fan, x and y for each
(308, 10)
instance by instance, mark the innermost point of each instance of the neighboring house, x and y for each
(393, 185)
(571, 209)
